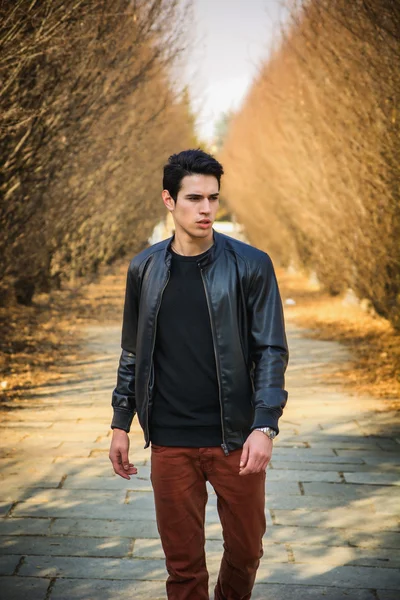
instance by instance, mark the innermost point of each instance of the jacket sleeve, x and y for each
(267, 345)
(123, 396)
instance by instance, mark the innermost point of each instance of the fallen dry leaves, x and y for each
(36, 341)
(373, 342)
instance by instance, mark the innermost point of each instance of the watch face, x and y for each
(268, 431)
(271, 433)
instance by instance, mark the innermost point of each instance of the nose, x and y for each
(205, 207)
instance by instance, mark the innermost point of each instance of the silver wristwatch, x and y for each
(271, 433)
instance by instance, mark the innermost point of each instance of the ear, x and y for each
(168, 200)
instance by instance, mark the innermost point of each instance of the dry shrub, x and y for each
(90, 109)
(89, 113)
(312, 158)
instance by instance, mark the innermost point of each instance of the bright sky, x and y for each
(232, 37)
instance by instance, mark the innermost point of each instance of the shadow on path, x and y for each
(72, 530)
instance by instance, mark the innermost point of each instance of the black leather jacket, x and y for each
(247, 328)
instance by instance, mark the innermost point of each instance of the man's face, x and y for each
(196, 206)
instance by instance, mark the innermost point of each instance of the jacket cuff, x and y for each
(122, 419)
(267, 417)
(269, 405)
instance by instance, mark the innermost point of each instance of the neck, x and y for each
(187, 246)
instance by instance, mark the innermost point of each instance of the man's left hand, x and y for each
(256, 454)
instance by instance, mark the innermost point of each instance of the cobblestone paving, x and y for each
(71, 530)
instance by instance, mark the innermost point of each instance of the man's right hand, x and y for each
(119, 450)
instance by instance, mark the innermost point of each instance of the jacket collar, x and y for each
(211, 256)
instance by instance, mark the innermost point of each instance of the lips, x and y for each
(205, 221)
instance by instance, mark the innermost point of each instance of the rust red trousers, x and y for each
(179, 478)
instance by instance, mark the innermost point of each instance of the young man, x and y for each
(203, 358)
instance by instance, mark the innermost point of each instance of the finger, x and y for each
(117, 465)
(266, 461)
(119, 470)
(244, 456)
(127, 466)
(249, 468)
(125, 459)
(261, 464)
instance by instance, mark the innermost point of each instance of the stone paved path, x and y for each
(70, 530)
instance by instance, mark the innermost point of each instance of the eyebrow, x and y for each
(200, 195)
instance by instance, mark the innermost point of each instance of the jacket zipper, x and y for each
(223, 445)
(151, 358)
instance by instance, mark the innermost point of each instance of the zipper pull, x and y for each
(225, 449)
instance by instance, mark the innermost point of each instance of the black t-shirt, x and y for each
(186, 409)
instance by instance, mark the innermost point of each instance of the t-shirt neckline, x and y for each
(194, 258)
